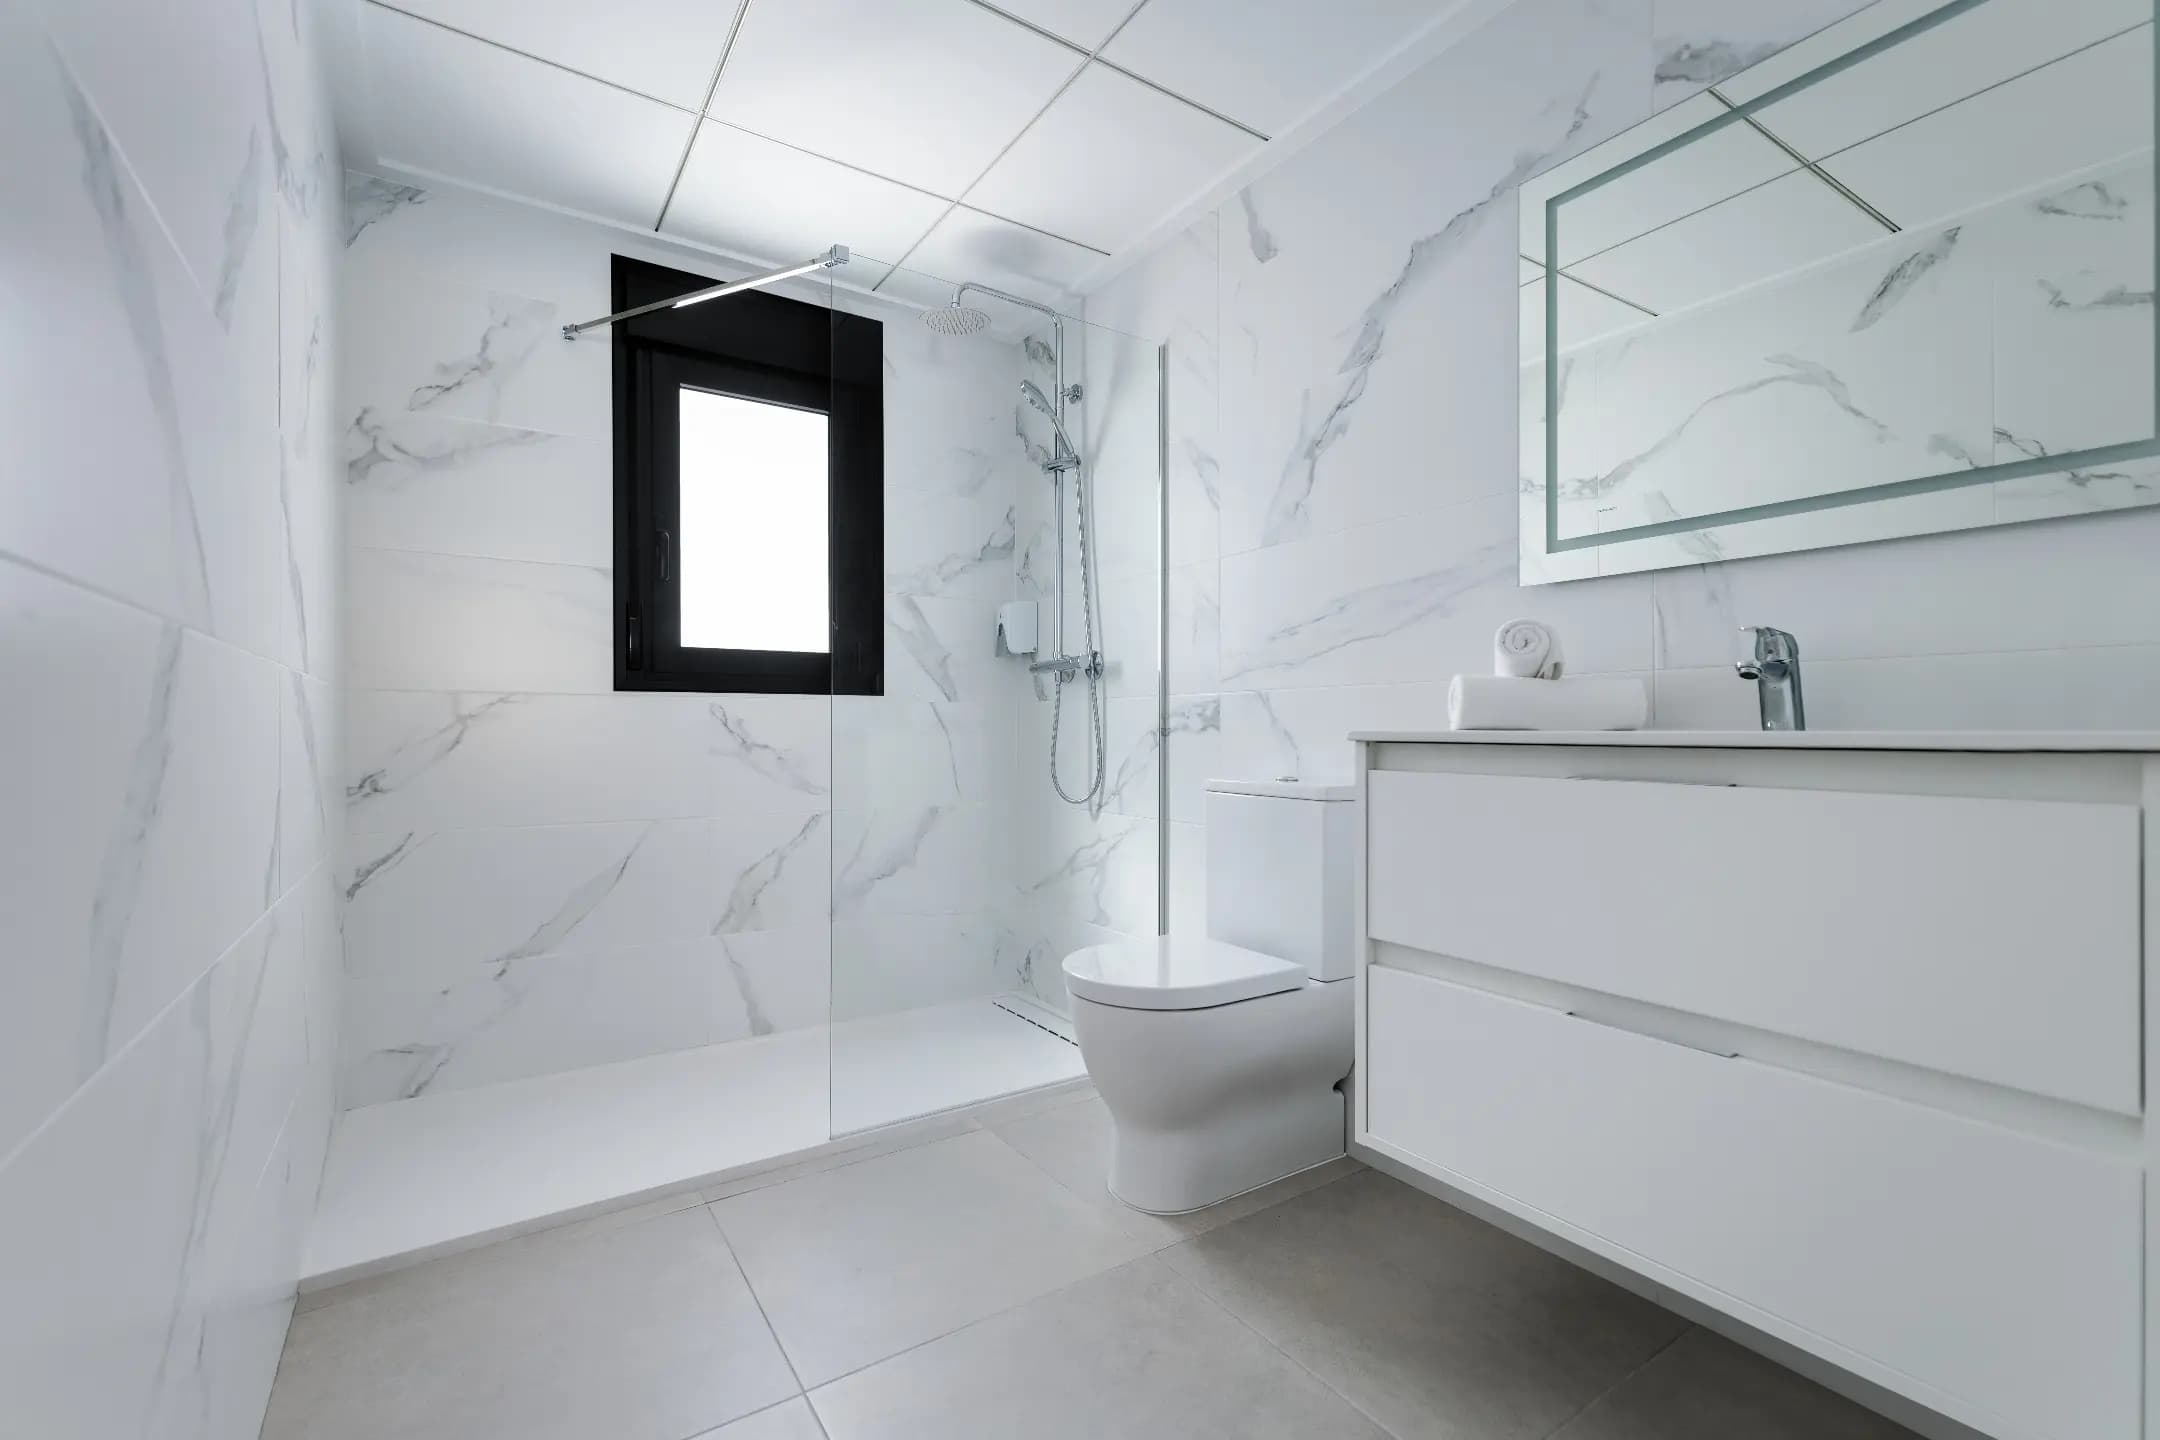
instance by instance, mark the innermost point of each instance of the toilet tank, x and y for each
(1280, 856)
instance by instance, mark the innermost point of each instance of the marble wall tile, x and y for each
(1415, 599)
(1187, 879)
(184, 91)
(1099, 871)
(2073, 315)
(451, 622)
(107, 1216)
(2111, 687)
(423, 481)
(1194, 659)
(909, 754)
(416, 900)
(893, 962)
(1133, 752)
(940, 648)
(2076, 582)
(1302, 733)
(155, 837)
(910, 858)
(421, 343)
(310, 802)
(1700, 42)
(423, 760)
(170, 915)
(458, 1027)
(169, 498)
(1367, 311)
(960, 549)
(1171, 298)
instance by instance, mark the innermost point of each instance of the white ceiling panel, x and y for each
(1109, 159)
(1086, 23)
(470, 111)
(662, 48)
(1264, 63)
(926, 93)
(756, 197)
(969, 245)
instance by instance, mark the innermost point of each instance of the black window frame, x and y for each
(771, 349)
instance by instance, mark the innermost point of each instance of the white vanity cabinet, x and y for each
(1839, 1035)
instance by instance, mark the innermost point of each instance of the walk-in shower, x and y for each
(1065, 666)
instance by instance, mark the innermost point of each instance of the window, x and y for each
(749, 509)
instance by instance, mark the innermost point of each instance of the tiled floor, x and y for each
(416, 1176)
(982, 1284)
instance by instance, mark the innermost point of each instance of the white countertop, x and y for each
(2068, 742)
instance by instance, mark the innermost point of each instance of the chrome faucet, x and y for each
(1775, 669)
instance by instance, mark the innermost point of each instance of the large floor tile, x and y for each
(791, 1420)
(1707, 1388)
(856, 1264)
(1434, 1323)
(643, 1332)
(1072, 1146)
(1136, 1352)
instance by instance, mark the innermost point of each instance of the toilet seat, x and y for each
(1176, 972)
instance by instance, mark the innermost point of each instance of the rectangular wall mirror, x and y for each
(1896, 279)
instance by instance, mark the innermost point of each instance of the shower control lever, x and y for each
(1068, 666)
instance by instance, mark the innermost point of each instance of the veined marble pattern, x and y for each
(420, 481)
(451, 622)
(368, 200)
(156, 837)
(427, 344)
(1415, 599)
(1700, 42)
(895, 962)
(955, 549)
(427, 760)
(543, 1013)
(166, 1052)
(478, 955)
(1348, 393)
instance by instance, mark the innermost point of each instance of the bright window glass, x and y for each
(754, 540)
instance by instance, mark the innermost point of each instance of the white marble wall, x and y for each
(1362, 541)
(545, 874)
(168, 630)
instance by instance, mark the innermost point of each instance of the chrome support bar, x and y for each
(1066, 667)
(832, 259)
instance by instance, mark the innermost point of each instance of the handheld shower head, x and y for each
(1035, 397)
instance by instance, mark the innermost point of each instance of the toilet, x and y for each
(1218, 1056)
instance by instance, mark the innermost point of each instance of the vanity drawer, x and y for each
(1992, 1267)
(1995, 939)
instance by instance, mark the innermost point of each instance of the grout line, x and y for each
(712, 87)
(1249, 1328)
(526, 54)
(1687, 1328)
(1006, 148)
(728, 1245)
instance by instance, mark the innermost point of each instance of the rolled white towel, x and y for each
(1508, 702)
(1527, 650)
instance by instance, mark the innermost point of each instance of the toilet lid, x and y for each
(1176, 972)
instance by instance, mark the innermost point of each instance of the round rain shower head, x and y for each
(955, 319)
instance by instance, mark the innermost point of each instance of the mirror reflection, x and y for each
(1897, 279)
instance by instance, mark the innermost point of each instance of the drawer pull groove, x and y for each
(1651, 1035)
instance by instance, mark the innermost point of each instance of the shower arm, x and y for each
(832, 259)
(1057, 329)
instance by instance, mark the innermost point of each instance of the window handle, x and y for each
(663, 543)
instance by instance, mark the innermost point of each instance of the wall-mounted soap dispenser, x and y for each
(1016, 628)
